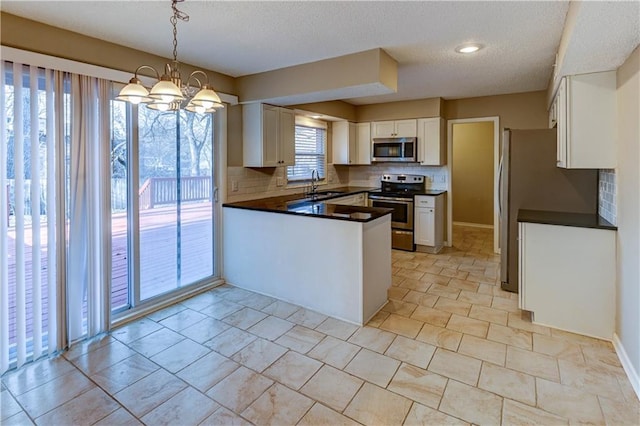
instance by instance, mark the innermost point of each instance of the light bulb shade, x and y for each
(166, 91)
(199, 109)
(134, 92)
(207, 98)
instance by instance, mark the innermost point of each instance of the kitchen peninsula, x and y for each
(330, 258)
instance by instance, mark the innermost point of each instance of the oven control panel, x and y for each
(403, 178)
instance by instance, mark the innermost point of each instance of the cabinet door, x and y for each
(561, 115)
(353, 144)
(363, 143)
(431, 142)
(270, 138)
(424, 226)
(406, 129)
(287, 137)
(349, 200)
(383, 129)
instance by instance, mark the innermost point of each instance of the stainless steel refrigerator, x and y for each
(529, 179)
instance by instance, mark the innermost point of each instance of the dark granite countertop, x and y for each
(581, 220)
(298, 204)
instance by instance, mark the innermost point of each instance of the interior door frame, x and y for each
(496, 176)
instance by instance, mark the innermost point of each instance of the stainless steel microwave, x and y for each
(394, 150)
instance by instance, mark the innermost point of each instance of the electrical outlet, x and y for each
(234, 185)
(279, 181)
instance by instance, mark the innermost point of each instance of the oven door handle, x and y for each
(401, 200)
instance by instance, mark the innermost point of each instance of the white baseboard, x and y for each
(474, 225)
(632, 374)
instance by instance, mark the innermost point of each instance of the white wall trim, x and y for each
(474, 225)
(496, 165)
(52, 62)
(632, 374)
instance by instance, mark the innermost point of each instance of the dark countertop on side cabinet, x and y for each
(431, 192)
(580, 220)
(297, 204)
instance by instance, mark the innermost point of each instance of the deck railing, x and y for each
(159, 191)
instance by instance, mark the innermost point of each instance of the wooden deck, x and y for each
(158, 269)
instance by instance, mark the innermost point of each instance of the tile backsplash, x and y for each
(264, 182)
(607, 199)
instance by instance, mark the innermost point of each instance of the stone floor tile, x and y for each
(156, 342)
(518, 414)
(419, 415)
(259, 354)
(509, 305)
(18, 419)
(244, 318)
(372, 338)
(307, 318)
(279, 405)
(230, 341)
(122, 374)
(420, 299)
(533, 363)
(617, 412)
(376, 406)
(86, 408)
(399, 307)
(103, 357)
(293, 369)
(334, 352)
(508, 383)
(166, 312)
(120, 417)
(204, 330)
(483, 349)
(471, 404)
(135, 330)
(207, 371)
(35, 374)
(432, 316)
(402, 325)
(300, 339)
(396, 293)
(221, 309)
(239, 389)
(467, 284)
(467, 325)
(444, 291)
(590, 378)
(319, 415)
(415, 285)
(510, 336)
(202, 300)
(182, 319)
(558, 348)
(522, 321)
(222, 416)
(8, 405)
(410, 273)
(257, 301)
(373, 367)
(187, 407)
(439, 336)
(280, 309)
(332, 387)
(566, 401)
(180, 355)
(418, 385)
(411, 351)
(455, 366)
(83, 347)
(435, 279)
(337, 328)
(149, 392)
(271, 328)
(377, 319)
(54, 393)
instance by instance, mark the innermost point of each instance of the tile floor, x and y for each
(450, 347)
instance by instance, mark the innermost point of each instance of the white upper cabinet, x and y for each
(585, 111)
(268, 135)
(394, 129)
(351, 143)
(432, 144)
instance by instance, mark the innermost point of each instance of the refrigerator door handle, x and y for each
(500, 171)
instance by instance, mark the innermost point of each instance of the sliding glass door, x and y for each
(170, 169)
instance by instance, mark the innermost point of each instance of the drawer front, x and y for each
(425, 201)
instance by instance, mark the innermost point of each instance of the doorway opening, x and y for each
(473, 163)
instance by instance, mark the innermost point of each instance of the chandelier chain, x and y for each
(177, 14)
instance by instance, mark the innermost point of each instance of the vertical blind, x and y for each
(35, 177)
(310, 152)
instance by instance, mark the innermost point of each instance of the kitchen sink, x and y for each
(329, 193)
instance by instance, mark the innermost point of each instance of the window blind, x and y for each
(310, 153)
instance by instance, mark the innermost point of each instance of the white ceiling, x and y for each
(244, 37)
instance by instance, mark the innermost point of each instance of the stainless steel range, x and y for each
(397, 192)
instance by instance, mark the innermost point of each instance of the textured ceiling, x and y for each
(241, 38)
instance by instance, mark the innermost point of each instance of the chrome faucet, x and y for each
(314, 182)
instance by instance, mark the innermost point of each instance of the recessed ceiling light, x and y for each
(468, 48)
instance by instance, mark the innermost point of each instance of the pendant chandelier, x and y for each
(169, 93)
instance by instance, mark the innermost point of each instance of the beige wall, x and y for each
(516, 111)
(33, 36)
(472, 173)
(628, 211)
(398, 110)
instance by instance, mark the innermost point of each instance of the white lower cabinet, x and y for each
(350, 200)
(428, 233)
(567, 277)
